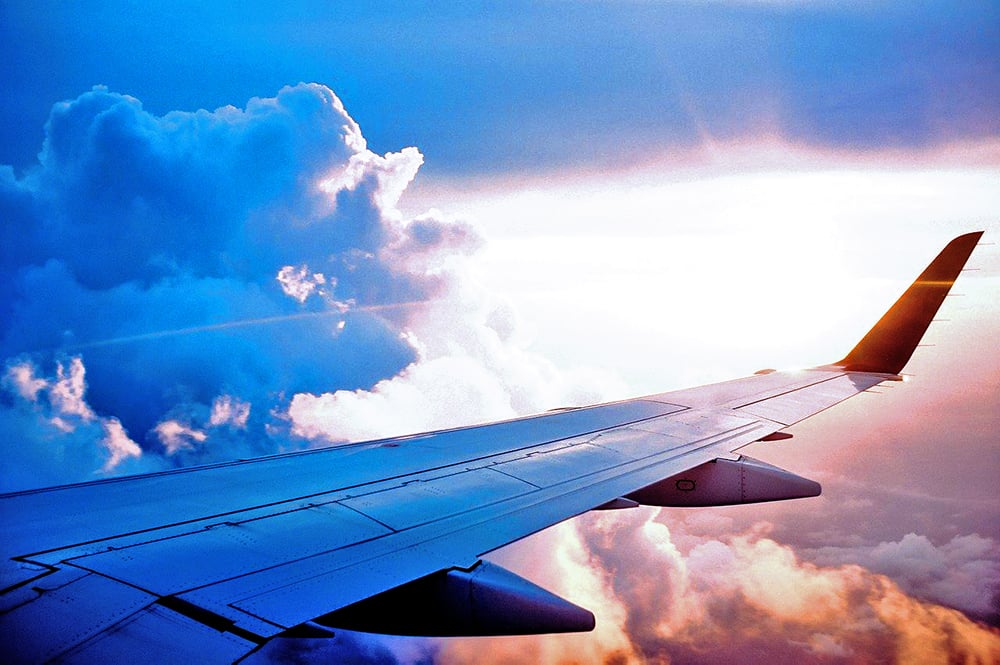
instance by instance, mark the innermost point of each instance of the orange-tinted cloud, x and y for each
(664, 594)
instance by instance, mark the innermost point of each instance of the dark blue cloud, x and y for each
(151, 246)
(172, 192)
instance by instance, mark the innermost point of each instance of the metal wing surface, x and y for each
(206, 564)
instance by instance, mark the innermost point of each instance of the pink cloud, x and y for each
(737, 598)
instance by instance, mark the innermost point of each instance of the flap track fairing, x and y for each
(724, 482)
(484, 600)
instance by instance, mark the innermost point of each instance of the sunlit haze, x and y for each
(731, 267)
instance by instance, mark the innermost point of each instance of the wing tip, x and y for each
(888, 346)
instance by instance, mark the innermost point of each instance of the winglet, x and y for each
(889, 344)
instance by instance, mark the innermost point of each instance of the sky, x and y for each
(237, 229)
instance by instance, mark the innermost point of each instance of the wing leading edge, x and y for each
(228, 556)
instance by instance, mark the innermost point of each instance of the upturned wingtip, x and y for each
(889, 345)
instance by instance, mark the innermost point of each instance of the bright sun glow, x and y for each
(640, 271)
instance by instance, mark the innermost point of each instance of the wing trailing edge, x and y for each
(889, 344)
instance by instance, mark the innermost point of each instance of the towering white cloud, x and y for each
(250, 253)
(249, 268)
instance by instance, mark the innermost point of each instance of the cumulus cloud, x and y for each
(246, 267)
(229, 410)
(676, 596)
(120, 446)
(943, 551)
(213, 268)
(963, 572)
(177, 436)
(297, 283)
(21, 377)
(48, 428)
(426, 395)
(66, 392)
(468, 371)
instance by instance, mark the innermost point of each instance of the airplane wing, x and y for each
(207, 564)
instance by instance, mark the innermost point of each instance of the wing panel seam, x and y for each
(441, 528)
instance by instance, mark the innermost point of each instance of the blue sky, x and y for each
(203, 259)
(485, 87)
